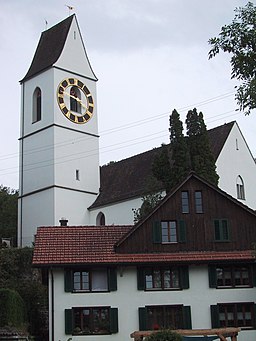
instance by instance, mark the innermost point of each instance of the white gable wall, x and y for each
(236, 159)
(128, 299)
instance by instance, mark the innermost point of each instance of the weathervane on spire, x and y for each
(70, 8)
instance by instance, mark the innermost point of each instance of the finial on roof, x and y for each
(46, 24)
(70, 8)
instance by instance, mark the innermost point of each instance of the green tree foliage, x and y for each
(12, 312)
(164, 335)
(161, 167)
(8, 213)
(171, 165)
(16, 273)
(179, 148)
(201, 157)
(239, 39)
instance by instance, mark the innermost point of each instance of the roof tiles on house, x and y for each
(77, 245)
(128, 178)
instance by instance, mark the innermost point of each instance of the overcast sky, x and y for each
(150, 57)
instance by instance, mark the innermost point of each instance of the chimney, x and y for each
(63, 222)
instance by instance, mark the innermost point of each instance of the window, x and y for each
(169, 231)
(184, 202)
(91, 320)
(77, 175)
(240, 188)
(163, 317)
(233, 315)
(37, 105)
(93, 280)
(100, 220)
(198, 202)
(162, 278)
(231, 276)
(75, 94)
(221, 230)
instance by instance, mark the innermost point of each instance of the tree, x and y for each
(201, 157)
(171, 165)
(239, 39)
(179, 148)
(8, 212)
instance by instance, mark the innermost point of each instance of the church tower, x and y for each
(59, 143)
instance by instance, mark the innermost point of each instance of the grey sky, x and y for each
(150, 57)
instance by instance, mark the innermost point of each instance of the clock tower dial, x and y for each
(75, 100)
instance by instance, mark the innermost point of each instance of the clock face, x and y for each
(75, 100)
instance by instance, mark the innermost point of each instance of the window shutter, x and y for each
(142, 319)
(68, 321)
(140, 279)
(215, 316)
(217, 230)
(112, 279)
(182, 235)
(254, 316)
(186, 311)
(254, 275)
(212, 276)
(114, 320)
(68, 281)
(184, 277)
(157, 233)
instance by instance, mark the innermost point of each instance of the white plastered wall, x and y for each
(199, 297)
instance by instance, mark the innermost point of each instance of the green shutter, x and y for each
(215, 316)
(68, 281)
(140, 279)
(217, 230)
(157, 232)
(182, 235)
(68, 321)
(212, 276)
(143, 319)
(112, 279)
(184, 277)
(114, 320)
(186, 311)
(254, 316)
(254, 275)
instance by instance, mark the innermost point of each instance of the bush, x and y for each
(12, 311)
(164, 335)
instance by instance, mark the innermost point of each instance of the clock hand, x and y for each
(76, 98)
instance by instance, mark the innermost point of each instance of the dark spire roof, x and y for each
(127, 179)
(49, 48)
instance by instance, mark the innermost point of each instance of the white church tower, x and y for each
(59, 143)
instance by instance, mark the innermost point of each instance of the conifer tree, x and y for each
(201, 157)
(179, 150)
(161, 167)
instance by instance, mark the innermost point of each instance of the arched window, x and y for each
(100, 220)
(37, 105)
(75, 96)
(240, 188)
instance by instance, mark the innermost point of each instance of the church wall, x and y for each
(118, 214)
(199, 297)
(235, 159)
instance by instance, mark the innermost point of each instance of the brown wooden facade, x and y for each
(199, 228)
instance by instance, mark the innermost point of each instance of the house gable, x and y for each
(222, 223)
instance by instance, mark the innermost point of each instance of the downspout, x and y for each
(52, 306)
(21, 164)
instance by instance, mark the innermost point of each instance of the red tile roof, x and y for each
(56, 246)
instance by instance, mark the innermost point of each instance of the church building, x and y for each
(188, 264)
(60, 177)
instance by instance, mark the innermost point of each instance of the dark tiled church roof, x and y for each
(49, 48)
(128, 178)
